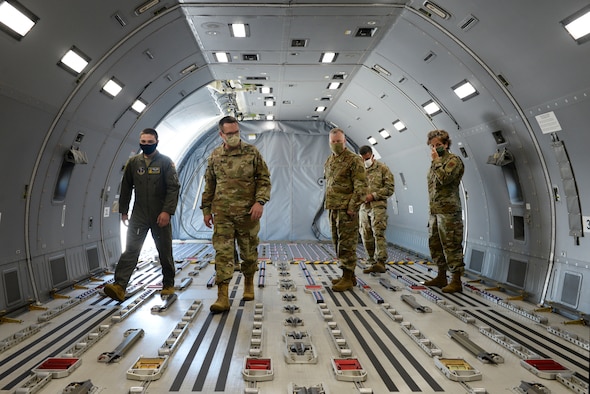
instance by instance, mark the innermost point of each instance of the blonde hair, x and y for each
(440, 134)
(336, 130)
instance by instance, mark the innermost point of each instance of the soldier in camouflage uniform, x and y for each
(373, 212)
(445, 225)
(152, 177)
(346, 188)
(237, 185)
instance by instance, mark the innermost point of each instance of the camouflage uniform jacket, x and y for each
(381, 184)
(234, 180)
(156, 186)
(346, 182)
(443, 184)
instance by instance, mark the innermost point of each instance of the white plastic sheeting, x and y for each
(295, 153)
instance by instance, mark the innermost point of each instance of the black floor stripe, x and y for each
(518, 340)
(407, 354)
(200, 380)
(191, 355)
(63, 335)
(229, 352)
(335, 299)
(376, 363)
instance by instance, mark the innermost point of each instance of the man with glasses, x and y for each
(237, 185)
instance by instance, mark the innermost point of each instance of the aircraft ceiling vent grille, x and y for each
(299, 43)
(365, 32)
(250, 57)
(256, 78)
(468, 22)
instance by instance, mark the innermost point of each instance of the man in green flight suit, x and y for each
(153, 178)
(346, 189)
(237, 185)
(373, 213)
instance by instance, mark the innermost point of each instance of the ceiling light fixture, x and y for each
(266, 90)
(372, 140)
(112, 87)
(74, 61)
(334, 85)
(465, 90)
(431, 108)
(189, 69)
(385, 134)
(269, 102)
(399, 125)
(270, 117)
(320, 109)
(221, 57)
(239, 30)
(437, 10)
(15, 19)
(328, 57)
(578, 25)
(139, 105)
(146, 6)
(381, 70)
(351, 104)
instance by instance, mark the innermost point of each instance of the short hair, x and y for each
(365, 149)
(150, 131)
(336, 130)
(441, 134)
(227, 120)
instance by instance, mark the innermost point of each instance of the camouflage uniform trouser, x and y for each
(373, 225)
(136, 233)
(345, 237)
(227, 230)
(445, 237)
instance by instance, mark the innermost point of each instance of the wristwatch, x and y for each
(261, 202)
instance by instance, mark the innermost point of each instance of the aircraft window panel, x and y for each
(59, 273)
(11, 287)
(570, 290)
(516, 273)
(476, 261)
(513, 184)
(63, 181)
(518, 228)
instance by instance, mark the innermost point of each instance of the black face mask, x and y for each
(148, 149)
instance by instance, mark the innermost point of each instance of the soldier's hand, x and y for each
(256, 211)
(369, 198)
(163, 219)
(351, 213)
(208, 219)
(125, 219)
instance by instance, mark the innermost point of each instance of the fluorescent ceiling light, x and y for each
(270, 117)
(75, 60)
(138, 106)
(320, 109)
(112, 87)
(265, 90)
(384, 133)
(399, 125)
(465, 90)
(578, 25)
(351, 104)
(372, 141)
(269, 103)
(431, 108)
(328, 57)
(18, 20)
(334, 85)
(251, 137)
(381, 70)
(221, 57)
(239, 30)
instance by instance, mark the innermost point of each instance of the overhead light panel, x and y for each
(189, 69)
(112, 87)
(270, 117)
(372, 141)
(221, 57)
(385, 134)
(465, 90)
(266, 90)
(399, 125)
(381, 70)
(578, 25)
(239, 30)
(320, 109)
(15, 19)
(74, 61)
(431, 108)
(269, 102)
(139, 105)
(334, 85)
(351, 104)
(146, 6)
(251, 137)
(328, 57)
(437, 10)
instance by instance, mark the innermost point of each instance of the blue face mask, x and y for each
(148, 149)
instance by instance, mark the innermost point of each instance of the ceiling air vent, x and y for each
(299, 43)
(287, 102)
(365, 32)
(250, 57)
(468, 22)
(429, 57)
(339, 76)
(256, 78)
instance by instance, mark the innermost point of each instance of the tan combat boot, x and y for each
(167, 290)
(456, 286)
(336, 280)
(248, 288)
(222, 303)
(377, 268)
(439, 281)
(346, 282)
(115, 291)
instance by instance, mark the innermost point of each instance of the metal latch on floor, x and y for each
(131, 336)
(411, 300)
(463, 339)
(457, 369)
